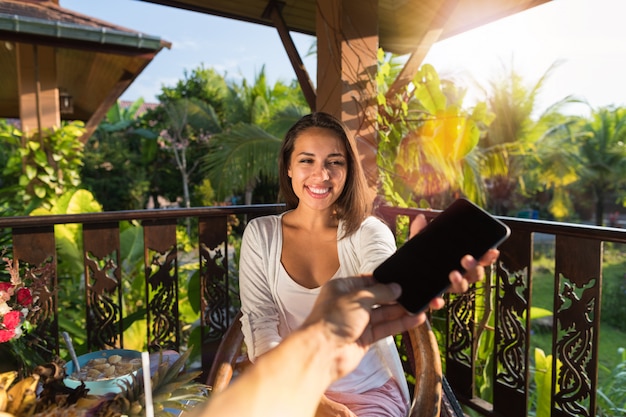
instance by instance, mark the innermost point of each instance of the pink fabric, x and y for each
(384, 401)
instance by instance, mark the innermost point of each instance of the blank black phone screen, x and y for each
(422, 265)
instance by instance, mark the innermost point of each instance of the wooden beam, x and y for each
(347, 45)
(273, 11)
(37, 88)
(416, 58)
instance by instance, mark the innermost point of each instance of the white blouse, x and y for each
(273, 304)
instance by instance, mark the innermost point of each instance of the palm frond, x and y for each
(239, 156)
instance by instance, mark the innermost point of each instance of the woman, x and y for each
(326, 232)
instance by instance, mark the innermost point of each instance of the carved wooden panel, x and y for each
(577, 313)
(161, 270)
(103, 283)
(215, 303)
(34, 249)
(460, 349)
(512, 333)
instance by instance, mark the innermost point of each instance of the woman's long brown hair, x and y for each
(353, 204)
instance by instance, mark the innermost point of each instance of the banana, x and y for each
(29, 401)
(6, 379)
(21, 392)
(4, 400)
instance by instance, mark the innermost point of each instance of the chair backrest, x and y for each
(229, 358)
(421, 346)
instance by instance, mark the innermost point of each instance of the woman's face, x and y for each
(318, 168)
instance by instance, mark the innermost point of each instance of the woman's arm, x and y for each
(260, 316)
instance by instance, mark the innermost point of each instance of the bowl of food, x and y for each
(104, 371)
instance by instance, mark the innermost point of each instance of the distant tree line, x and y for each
(213, 141)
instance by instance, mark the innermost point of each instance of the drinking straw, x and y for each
(147, 383)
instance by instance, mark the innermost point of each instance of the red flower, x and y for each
(24, 297)
(12, 319)
(5, 286)
(6, 335)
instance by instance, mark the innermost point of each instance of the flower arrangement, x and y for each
(16, 303)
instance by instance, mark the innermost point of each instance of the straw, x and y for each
(147, 383)
(70, 347)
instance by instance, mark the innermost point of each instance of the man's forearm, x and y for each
(287, 381)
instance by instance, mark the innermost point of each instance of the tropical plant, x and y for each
(602, 158)
(119, 159)
(189, 124)
(427, 140)
(41, 167)
(240, 158)
(612, 393)
(511, 144)
(246, 153)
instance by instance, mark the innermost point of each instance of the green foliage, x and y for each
(237, 158)
(42, 167)
(602, 157)
(204, 194)
(542, 393)
(612, 392)
(427, 140)
(120, 157)
(515, 160)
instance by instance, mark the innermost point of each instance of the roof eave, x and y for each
(27, 26)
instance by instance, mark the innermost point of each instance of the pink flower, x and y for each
(6, 335)
(12, 319)
(24, 297)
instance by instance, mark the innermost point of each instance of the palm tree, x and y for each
(239, 157)
(511, 140)
(245, 152)
(189, 122)
(602, 157)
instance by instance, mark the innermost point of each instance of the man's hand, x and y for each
(355, 312)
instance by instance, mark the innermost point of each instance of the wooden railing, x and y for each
(36, 247)
(577, 281)
(578, 264)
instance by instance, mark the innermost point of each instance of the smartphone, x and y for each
(422, 264)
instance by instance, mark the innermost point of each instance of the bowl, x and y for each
(101, 384)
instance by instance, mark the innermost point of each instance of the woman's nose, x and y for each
(323, 173)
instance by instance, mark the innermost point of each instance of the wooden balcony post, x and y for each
(347, 46)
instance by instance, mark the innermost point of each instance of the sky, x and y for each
(587, 38)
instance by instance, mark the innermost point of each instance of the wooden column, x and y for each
(37, 87)
(347, 45)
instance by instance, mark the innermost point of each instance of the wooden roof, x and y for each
(403, 24)
(95, 60)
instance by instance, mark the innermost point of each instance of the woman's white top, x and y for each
(273, 304)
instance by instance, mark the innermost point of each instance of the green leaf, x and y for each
(31, 172)
(39, 191)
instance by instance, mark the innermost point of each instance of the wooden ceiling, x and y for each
(403, 24)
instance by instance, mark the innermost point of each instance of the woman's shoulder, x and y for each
(372, 228)
(264, 221)
(374, 224)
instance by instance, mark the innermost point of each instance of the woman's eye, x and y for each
(306, 161)
(337, 163)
